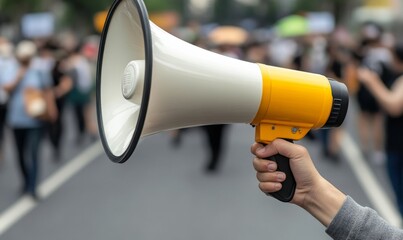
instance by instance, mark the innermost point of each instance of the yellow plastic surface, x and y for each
(293, 102)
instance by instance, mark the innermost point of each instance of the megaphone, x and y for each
(149, 81)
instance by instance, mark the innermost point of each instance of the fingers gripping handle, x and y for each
(286, 193)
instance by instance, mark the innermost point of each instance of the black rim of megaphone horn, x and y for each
(145, 24)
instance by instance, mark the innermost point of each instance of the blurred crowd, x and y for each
(63, 70)
(63, 67)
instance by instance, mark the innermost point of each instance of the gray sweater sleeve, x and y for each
(354, 222)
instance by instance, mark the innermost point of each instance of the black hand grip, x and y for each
(286, 193)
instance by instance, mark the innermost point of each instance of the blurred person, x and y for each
(342, 39)
(215, 134)
(300, 58)
(371, 119)
(176, 136)
(339, 213)
(307, 53)
(80, 95)
(256, 52)
(215, 140)
(50, 67)
(90, 52)
(338, 66)
(282, 52)
(317, 58)
(191, 34)
(8, 68)
(27, 130)
(45, 60)
(388, 91)
(62, 85)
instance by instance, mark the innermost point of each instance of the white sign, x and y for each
(35, 25)
(320, 22)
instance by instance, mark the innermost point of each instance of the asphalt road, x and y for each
(163, 192)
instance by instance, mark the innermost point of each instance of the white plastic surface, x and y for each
(190, 86)
(133, 74)
(124, 43)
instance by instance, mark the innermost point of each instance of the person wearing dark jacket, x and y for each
(387, 89)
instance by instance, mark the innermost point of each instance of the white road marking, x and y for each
(379, 198)
(25, 204)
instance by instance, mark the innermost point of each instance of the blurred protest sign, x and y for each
(38, 25)
(320, 22)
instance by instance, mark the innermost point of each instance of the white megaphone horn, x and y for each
(150, 81)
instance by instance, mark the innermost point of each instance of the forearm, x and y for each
(324, 202)
(345, 219)
(355, 222)
(65, 85)
(390, 101)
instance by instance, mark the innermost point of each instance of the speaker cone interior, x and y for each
(124, 73)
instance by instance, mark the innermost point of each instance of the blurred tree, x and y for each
(79, 14)
(83, 11)
(264, 12)
(271, 12)
(163, 5)
(18, 8)
(222, 11)
(339, 8)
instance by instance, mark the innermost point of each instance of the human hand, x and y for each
(313, 193)
(304, 171)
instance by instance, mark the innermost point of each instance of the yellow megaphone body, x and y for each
(150, 81)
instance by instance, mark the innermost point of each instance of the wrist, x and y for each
(324, 201)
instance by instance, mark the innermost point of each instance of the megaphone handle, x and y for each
(286, 193)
